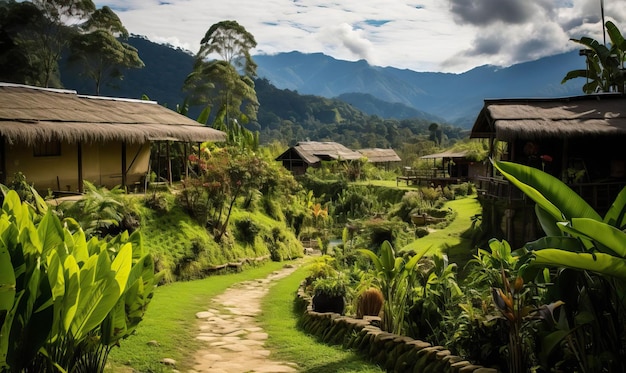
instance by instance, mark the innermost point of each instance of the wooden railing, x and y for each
(600, 195)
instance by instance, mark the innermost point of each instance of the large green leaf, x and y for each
(603, 234)
(113, 327)
(99, 291)
(375, 260)
(547, 221)
(72, 291)
(597, 262)
(50, 232)
(555, 242)
(7, 280)
(615, 35)
(615, 215)
(5, 332)
(122, 265)
(556, 198)
(387, 257)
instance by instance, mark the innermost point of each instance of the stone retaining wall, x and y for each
(393, 352)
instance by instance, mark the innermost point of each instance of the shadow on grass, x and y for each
(353, 364)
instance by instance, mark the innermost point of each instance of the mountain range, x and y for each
(386, 92)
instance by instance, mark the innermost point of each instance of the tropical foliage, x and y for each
(605, 66)
(591, 249)
(226, 84)
(66, 301)
(37, 34)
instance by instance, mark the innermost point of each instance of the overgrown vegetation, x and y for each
(66, 301)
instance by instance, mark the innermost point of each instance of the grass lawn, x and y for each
(459, 249)
(171, 322)
(388, 184)
(288, 343)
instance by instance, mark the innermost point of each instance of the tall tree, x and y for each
(605, 66)
(46, 41)
(99, 50)
(17, 65)
(222, 78)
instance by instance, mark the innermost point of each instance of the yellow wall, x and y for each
(102, 165)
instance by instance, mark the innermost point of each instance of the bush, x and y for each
(247, 230)
(157, 202)
(421, 232)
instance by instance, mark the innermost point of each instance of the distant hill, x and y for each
(382, 91)
(161, 79)
(457, 98)
(374, 106)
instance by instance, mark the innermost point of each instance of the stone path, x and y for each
(234, 341)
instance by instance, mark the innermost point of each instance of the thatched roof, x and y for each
(32, 115)
(313, 152)
(446, 154)
(377, 155)
(590, 115)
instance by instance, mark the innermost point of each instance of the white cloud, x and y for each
(423, 35)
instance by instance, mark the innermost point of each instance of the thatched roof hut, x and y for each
(311, 153)
(32, 115)
(533, 119)
(58, 138)
(378, 155)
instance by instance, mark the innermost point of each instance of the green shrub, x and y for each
(68, 300)
(421, 232)
(448, 193)
(247, 230)
(157, 202)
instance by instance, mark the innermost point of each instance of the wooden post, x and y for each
(124, 165)
(79, 150)
(169, 163)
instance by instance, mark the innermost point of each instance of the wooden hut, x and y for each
(576, 139)
(58, 138)
(311, 154)
(380, 157)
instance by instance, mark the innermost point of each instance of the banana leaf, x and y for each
(615, 215)
(607, 237)
(555, 242)
(556, 198)
(596, 262)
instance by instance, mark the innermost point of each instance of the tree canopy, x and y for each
(37, 33)
(222, 79)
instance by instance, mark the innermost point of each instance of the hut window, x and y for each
(47, 149)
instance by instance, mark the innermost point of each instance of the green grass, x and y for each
(459, 249)
(170, 321)
(388, 184)
(288, 343)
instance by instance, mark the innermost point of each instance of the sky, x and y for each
(420, 35)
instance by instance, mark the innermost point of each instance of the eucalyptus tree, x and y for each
(605, 66)
(99, 52)
(222, 79)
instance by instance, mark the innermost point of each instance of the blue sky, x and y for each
(421, 35)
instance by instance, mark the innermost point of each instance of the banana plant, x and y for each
(577, 236)
(604, 66)
(395, 278)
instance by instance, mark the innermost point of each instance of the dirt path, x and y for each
(234, 340)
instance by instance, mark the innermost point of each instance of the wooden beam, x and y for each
(79, 150)
(124, 170)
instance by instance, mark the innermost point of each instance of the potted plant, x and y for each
(329, 294)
